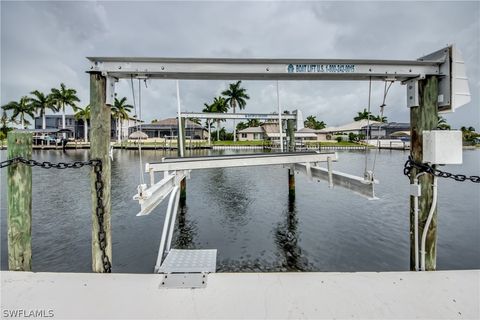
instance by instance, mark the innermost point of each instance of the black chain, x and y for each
(96, 164)
(424, 167)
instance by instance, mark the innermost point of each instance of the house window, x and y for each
(244, 135)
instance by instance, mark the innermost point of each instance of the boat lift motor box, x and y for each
(442, 147)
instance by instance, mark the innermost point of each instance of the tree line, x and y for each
(235, 96)
(231, 98)
(55, 101)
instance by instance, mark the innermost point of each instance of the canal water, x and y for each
(245, 214)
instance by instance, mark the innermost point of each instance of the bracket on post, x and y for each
(110, 90)
(413, 99)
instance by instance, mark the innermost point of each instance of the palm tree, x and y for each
(219, 105)
(120, 110)
(242, 125)
(363, 115)
(312, 123)
(195, 120)
(469, 134)
(62, 98)
(236, 95)
(253, 123)
(442, 124)
(21, 108)
(84, 114)
(4, 128)
(380, 119)
(208, 108)
(41, 103)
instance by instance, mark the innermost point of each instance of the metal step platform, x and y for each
(190, 261)
(187, 268)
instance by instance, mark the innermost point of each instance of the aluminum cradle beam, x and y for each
(240, 116)
(150, 198)
(263, 69)
(353, 183)
(232, 161)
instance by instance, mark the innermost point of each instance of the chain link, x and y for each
(424, 167)
(96, 164)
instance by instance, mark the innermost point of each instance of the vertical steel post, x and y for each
(280, 129)
(423, 117)
(19, 193)
(100, 149)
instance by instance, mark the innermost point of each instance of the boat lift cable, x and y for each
(142, 181)
(382, 106)
(179, 115)
(368, 126)
(141, 178)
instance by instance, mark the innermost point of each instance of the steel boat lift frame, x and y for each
(446, 64)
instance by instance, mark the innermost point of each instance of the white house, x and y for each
(251, 134)
(270, 131)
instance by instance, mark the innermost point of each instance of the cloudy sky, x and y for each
(45, 43)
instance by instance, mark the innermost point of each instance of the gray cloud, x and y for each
(45, 43)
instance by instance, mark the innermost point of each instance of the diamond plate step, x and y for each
(190, 261)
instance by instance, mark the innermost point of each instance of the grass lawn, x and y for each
(260, 143)
(238, 143)
(334, 143)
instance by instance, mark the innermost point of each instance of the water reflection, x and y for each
(244, 213)
(286, 238)
(185, 230)
(228, 190)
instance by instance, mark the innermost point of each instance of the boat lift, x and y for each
(190, 268)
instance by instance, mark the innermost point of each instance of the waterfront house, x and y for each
(76, 127)
(355, 127)
(251, 134)
(270, 131)
(390, 130)
(53, 123)
(169, 128)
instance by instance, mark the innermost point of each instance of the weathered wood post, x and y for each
(19, 191)
(99, 149)
(291, 148)
(424, 117)
(181, 153)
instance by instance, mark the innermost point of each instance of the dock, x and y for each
(384, 295)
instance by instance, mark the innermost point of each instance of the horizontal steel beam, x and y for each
(241, 116)
(353, 183)
(262, 69)
(232, 161)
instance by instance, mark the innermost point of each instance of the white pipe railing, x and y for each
(172, 222)
(427, 224)
(161, 249)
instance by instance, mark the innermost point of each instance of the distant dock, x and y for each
(312, 295)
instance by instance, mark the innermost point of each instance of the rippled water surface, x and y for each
(245, 214)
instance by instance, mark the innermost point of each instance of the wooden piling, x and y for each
(19, 194)
(291, 148)
(99, 149)
(291, 135)
(181, 153)
(424, 117)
